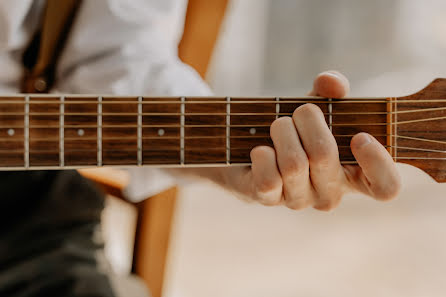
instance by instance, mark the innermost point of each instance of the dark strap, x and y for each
(41, 56)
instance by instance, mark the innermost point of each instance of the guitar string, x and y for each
(19, 137)
(233, 101)
(157, 137)
(221, 163)
(175, 148)
(253, 114)
(122, 126)
(217, 125)
(8, 113)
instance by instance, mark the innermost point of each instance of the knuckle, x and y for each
(324, 207)
(329, 203)
(271, 198)
(324, 153)
(298, 204)
(387, 191)
(270, 201)
(388, 188)
(293, 165)
(268, 188)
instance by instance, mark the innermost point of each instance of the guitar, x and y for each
(81, 131)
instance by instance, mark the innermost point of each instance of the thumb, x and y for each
(330, 84)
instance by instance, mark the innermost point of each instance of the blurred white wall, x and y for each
(276, 47)
(225, 248)
(238, 64)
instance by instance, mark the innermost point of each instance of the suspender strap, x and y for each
(41, 56)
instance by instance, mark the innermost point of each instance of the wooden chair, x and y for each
(155, 215)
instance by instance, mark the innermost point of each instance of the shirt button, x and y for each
(40, 84)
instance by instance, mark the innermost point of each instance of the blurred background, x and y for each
(223, 247)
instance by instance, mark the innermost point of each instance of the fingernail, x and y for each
(363, 139)
(330, 73)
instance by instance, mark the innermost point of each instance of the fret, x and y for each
(61, 133)
(26, 135)
(139, 140)
(43, 142)
(330, 114)
(390, 128)
(377, 113)
(12, 141)
(395, 129)
(256, 127)
(248, 143)
(212, 149)
(99, 133)
(182, 123)
(288, 105)
(228, 131)
(120, 151)
(246, 131)
(277, 107)
(82, 133)
(164, 145)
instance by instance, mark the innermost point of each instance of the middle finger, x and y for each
(326, 173)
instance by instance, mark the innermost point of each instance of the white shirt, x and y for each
(116, 47)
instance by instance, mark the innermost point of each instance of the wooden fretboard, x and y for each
(56, 132)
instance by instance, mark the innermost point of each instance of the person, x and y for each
(48, 240)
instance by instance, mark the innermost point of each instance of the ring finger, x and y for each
(293, 164)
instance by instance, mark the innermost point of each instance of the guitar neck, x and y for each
(72, 131)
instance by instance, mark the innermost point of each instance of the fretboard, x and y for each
(72, 131)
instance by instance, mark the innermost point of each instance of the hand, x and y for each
(303, 169)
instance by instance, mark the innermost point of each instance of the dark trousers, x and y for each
(48, 235)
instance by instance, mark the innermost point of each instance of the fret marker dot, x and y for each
(161, 132)
(11, 132)
(252, 131)
(80, 132)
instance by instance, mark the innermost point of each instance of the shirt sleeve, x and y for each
(124, 47)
